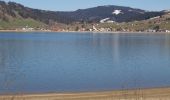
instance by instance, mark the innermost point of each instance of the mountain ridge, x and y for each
(13, 10)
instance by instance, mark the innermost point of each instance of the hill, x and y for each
(14, 15)
(114, 13)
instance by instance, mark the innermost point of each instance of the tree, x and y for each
(156, 28)
(77, 28)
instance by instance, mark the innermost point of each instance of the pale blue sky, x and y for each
(70, 5)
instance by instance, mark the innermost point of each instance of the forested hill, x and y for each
(12, 10)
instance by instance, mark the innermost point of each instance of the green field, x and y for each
(21, 23)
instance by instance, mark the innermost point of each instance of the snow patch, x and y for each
(106, 20)
(117, 12)
(155, 17)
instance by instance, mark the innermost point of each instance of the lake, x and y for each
(72, 62)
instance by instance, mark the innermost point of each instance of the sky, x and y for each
(71, 5)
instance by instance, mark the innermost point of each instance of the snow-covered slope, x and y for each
(106, 20)
(117, 12)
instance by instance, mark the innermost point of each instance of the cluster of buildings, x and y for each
(121, 29)
(27, 28)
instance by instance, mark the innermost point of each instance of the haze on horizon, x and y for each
(71, 5)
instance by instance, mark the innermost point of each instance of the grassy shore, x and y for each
(143, 94)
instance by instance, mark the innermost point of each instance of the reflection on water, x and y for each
(56, 62)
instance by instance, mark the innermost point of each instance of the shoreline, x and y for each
(105, 32)
(138, 94)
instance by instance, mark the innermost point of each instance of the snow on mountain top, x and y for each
(117, 12)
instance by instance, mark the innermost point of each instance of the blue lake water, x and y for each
(72, 62)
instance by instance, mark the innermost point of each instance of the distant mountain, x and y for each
(12, 10)
(115, 13)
